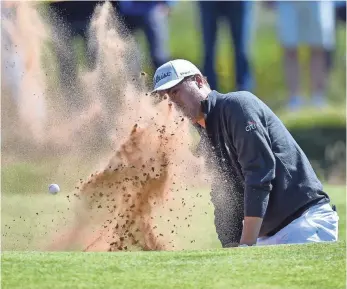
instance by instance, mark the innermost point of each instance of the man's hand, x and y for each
(250, 232)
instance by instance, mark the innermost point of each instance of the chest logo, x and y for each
(251, 125)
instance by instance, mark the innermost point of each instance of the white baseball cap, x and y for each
(172, 73)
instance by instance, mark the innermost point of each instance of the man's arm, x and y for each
(248, 130)
(228, 208)
(250, 232)
(228, 212)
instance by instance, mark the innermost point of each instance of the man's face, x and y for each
(184, 96)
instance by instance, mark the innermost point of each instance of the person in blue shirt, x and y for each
(152, 18)
(238, 16)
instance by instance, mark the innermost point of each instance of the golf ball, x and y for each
(53, 189)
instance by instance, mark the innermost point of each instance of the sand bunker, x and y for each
(120, 200)
(147, 144)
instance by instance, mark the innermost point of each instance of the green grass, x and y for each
(203, 264)
(29, 220)
(310, 118)
(29, 177)
(299, 266)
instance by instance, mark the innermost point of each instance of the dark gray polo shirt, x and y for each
(260, 169)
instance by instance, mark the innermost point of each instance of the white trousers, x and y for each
(318, 224)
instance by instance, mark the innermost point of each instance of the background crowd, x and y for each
(312, 24)
(291, 54)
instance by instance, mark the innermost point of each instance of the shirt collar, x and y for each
(209, 102)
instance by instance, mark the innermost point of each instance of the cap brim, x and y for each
(168, 85)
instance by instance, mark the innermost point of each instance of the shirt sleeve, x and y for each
(247, 127)
(228, 208)
(228, 212)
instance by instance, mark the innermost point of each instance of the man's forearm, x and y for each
(251, 229)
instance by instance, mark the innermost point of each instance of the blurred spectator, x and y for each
(340, 9)
(152, 18)
(310, 23)
(12, 64)
(71, 19)
(76, 15)
(236, 13)
(340, 16)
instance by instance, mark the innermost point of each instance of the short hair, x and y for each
(193, 76)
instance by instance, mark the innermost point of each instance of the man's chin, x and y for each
(189, 117)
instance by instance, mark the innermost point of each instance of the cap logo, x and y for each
(162, 76)
(186, 72)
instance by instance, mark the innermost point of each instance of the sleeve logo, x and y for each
(251, 125)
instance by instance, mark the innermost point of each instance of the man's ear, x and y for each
(199, 80)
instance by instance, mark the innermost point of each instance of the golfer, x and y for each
(266, 192)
